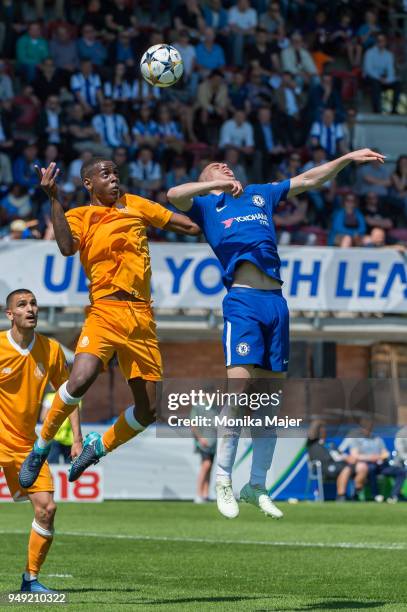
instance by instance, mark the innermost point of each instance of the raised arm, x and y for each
(181, 224)
(182, 196)
(63, 235)
(316, 177)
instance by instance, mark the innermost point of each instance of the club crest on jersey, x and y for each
(243, 349)
(84, 341)
(39, 371)
(258, 200)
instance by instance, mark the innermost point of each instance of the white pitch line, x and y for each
(293, 544)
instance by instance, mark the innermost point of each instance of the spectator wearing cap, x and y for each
(378, 69)
(242, 25)
(328, 134)
(298, 61)
(145, 173)
(209, 55)
(23, 168)
(63, 50)
(50, 125)
(87, 87)
(348, 224)
(31, 50)
(237, 132)
(90, 48)
(111, 127)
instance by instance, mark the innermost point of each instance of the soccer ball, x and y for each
(162, 65)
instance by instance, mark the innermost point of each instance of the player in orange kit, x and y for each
(28, 362)
(110, 235)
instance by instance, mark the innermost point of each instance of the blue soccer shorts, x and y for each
(256, 328)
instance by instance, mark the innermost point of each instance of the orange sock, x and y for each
(38, 547)
(125, 428)
(62, 406)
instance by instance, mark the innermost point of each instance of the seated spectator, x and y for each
(242, 20)
(119, 89)
(238, 91)
(259, 53)
(17, 203)
(289, 168)
(216, 16)
(27, 107)
(325, 95)
(231, 158)
(209, 55)
(81, 134)
(272, 19)
(372, 450)
(23, 168)
(74, 172)
(373, 177)
(87, 87)
(378, 70)
(63, 50)
(188, 52)
(145, 173)
(237, 132)
(189, 16)
(6, 86)
(289, 220)
(326, 195)
(31, 50)
(377, 239)
(90, 48)
(94, 15)
(145, 129)
(368, 30)
(298, 61)
(169, 132)
(49, 81)
(6, 176)
(290, 102)
(354, 134)
(348, 224)
(373, 216)
(334, 464)
(143, 93)
(211, 107)
(120, 158)
(328, 134)
(259, 93)
(399, 182)
(49, 124)
(119, 17)
(345, 42)
(267, 148)
(6, 134)
(177, 175)
(122, 49)
(22, 230)
(400, 446)
(111, 127)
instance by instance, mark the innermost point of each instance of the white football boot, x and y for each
(260, 498)
(227, 504)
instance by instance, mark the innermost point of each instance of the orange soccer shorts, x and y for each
(125, 328)
(11, 462)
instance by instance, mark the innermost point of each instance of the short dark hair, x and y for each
(88, 166)
(16, 292)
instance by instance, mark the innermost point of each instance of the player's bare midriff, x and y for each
(248, 275)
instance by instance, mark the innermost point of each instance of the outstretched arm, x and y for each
(183, 195)
(316, 177)
(63, 235)
(181, 224)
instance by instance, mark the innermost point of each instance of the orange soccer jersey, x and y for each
(24, 375)
(113, 244)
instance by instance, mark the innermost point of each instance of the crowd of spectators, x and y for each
(261, 90)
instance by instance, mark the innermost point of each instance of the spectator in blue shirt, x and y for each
(215, 15)
(89, 48)
(23, 168)
(348, 224)
(209, 55)
(378, 69)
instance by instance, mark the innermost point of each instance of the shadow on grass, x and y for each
(337, 604)
(181, 600)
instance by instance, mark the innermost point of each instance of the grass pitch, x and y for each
(179, 556)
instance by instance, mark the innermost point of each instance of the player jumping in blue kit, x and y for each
(238, 225)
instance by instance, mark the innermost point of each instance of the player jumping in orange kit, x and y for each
(110, 234)
(28, 362)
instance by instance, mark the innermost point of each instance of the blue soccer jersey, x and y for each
(242, 229)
